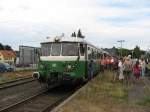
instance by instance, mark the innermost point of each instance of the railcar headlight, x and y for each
(69, 66)
(73, 66)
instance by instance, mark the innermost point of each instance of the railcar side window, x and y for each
(93, 54)
(89, 53)
(82, 49)
(101, 56)
(56, 48)
(45, 49)
(70, 49)
(98, 55)
(89, 56)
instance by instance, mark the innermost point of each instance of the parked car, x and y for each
(5, 67)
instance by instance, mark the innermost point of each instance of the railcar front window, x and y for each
(45, 49)
(69, 49)
(56, 48)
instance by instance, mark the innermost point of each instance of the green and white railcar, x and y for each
(66, 59)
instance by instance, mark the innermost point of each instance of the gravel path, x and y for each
(137, 93)
(45, 101)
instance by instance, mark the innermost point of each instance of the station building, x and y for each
(28, 56)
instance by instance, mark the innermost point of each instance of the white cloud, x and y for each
(37, 18)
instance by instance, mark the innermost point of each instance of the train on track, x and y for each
(64, 59)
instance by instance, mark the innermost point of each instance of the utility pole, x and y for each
(132, 53)
(148, 51)
(121, 43)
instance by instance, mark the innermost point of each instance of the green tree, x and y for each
(1, 47)
(137, 52)
(122, 52)
(79, 34)
(7, 47)
(125, 52)
(74, 34)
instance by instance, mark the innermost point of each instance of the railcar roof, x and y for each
(69, 39)
(65, 39)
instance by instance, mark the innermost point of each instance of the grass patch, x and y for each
(144, 102)
(103, 95)
(114, 90)
(10, 76)
(103, 87)
(7, 79)
(148, 66)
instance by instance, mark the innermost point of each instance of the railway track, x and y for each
(16, 82)
(12, 95)
(44, 101)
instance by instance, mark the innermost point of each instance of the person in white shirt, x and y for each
(143, 65)
(112, 63)
(120, 66)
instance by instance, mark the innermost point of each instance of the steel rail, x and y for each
(16, 82)
(55, 102)
(8, 108)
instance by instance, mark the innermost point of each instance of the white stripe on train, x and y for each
(61, 58)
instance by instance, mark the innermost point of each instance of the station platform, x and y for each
(103, 94)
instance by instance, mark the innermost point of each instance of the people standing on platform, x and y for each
(102, 63)
(120, 68)
(115, 65)
(112, 63)
(90, 70)
(108, 63)
(143, 65)
(137, 70)
(147, 61)
(127, 69)
(105, 62)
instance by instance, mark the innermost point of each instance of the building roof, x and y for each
(7, 53)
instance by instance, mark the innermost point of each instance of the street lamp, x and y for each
(121, 42)
(132, 54)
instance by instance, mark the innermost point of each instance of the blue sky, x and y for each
(103, 22)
